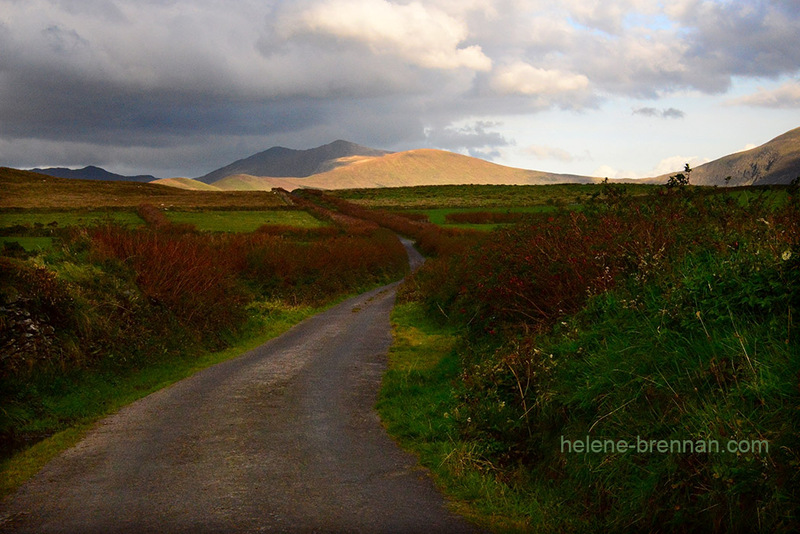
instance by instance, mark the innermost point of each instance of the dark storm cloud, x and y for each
(90, 81)
(755, 38)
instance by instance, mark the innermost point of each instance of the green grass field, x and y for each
(478, 196)
(67, 218)
(438, 215)
(242, 221)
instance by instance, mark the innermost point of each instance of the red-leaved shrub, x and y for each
(190, 274)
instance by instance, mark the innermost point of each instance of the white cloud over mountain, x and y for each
(785, 96)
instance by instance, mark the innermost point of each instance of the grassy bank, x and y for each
(419, 407)
(575, 340)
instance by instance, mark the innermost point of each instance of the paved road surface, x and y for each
(281, 439)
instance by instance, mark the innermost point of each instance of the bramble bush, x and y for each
(315, 270)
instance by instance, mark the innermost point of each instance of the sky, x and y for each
(617, 88)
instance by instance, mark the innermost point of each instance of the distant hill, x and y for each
(410, 168)
(286, 162)
(92, 173)
(774, 162)
(26, 189)
(186, 183)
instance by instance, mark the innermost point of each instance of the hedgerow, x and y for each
(114, 299)
(670, 318)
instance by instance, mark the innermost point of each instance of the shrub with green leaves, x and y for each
(669, 318)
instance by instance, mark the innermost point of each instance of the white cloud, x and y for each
(524, 79)
(785, 96)
(421, 35)
(670, 165)
(549, 153)
(675, 164)
(605, 171)
(603, 15)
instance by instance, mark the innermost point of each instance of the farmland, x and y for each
(478, 196)
(27, 190)
(608, 311)
(60, 219)
(242, 221)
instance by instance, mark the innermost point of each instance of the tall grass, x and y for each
(670, 319)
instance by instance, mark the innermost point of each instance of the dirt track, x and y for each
(281, 439)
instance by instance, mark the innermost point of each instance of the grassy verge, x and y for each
(627, 364)
(419, 409)
(88, 396)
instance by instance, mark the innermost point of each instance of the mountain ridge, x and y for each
(775, 162)
(91, 172)
(343, 164)
(281, 162)
(413, 167)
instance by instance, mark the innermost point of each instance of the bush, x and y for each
(189, 274)
(668, 319)
(322, 268)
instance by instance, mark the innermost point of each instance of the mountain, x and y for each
(774, 162)
(186, 183)
(413, 167)
(92, 173)
(286, 162)
(26, 190)
(344, 165)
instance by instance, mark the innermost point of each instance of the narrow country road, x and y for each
(282, 439)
